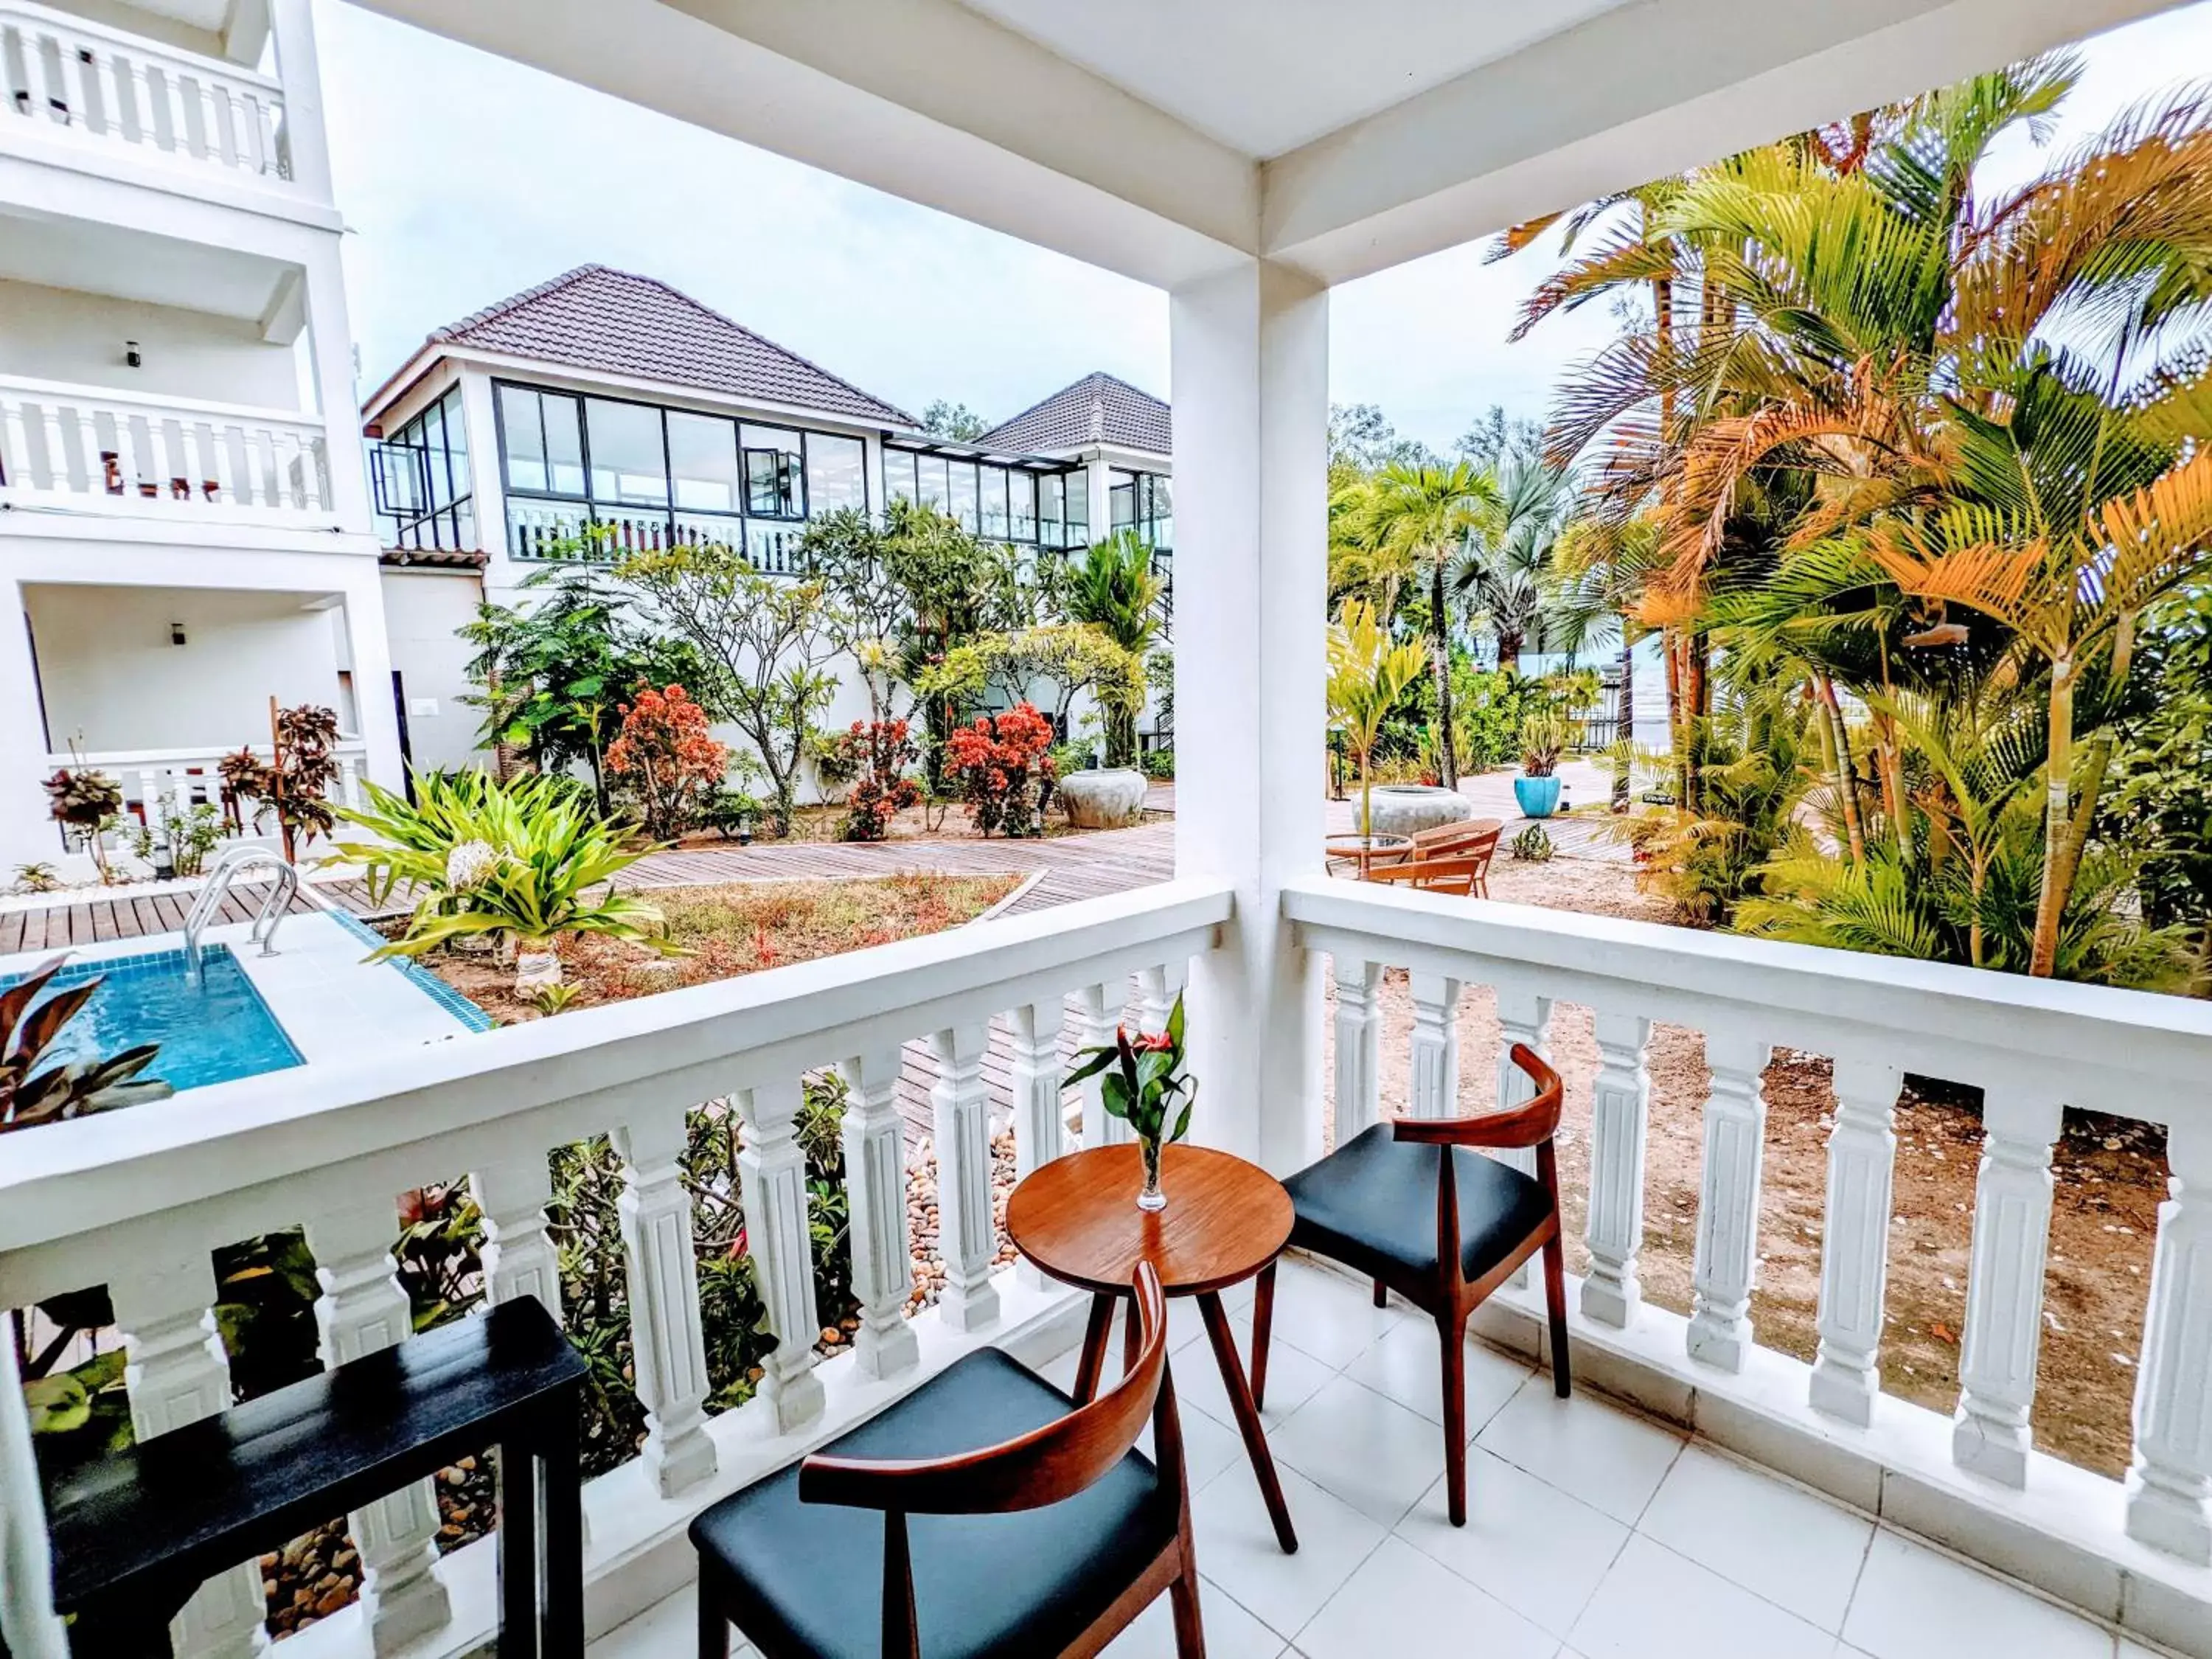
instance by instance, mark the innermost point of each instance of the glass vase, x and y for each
(1151, 1198)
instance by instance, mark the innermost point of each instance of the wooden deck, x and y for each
(65, 926)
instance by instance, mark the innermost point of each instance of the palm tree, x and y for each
(1115, 590)
(1367, 675)
(1421, 517)
(1505, 568)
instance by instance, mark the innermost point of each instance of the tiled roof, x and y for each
(614, 323)
(426, 558)
(1097, 409)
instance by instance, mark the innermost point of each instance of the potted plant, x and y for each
(1544, 739)
(1142, 1081)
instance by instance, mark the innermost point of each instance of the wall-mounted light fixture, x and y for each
(131, 355)
(176, 633)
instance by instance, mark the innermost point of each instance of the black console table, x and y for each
(134, 1536)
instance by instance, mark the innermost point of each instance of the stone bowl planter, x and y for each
(1103, 800)
(1406, 809)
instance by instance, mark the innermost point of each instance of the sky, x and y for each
(464, 178)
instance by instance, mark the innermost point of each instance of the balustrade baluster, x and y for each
(1989, 1434)
(134, 443)
(315, 474)
(1096, 1016)
(164, 478)
(1156, 991)
(1526, 1018)
(180, 136)
(666, 1334)
(177, 1374)
(1854, 1238)
(364, 1310)
(146, 105)
(82, 72)
(1359, 1046)
(349, 780)
(218, 121)
(226, 474)
(967, 1232)
(1434, 1057)
(1727, 1268)
(116, 111)
(882, 1239)
(58, 476)
(1040, 1124)
(43, 55)
(2170, 1487)
(519, 1257)
(772, 1168)
(1620, 1110)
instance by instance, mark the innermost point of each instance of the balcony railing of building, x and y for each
(137, 1199)
(91, 449)
(114, 89)
(541, 531)
(157, 782)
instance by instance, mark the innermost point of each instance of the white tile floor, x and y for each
(1592, 1533)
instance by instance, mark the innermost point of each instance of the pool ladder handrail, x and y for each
(273, 910)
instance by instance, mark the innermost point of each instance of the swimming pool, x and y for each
(211, 1032)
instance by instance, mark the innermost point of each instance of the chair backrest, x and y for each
(1454, 874)
(1031, 1470)
(1532, 1123)
(1451, 837)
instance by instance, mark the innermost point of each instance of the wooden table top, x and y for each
(1077, 1219)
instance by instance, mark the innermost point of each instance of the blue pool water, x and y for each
(210, 1033)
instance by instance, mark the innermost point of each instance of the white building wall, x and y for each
(424, 611)
(59, 334)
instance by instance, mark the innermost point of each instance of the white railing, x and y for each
(89, 448)
(110, 87)
(180, 779)
(137, 1199)
(2033, 1046)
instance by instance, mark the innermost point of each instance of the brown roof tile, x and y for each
(1097, 409)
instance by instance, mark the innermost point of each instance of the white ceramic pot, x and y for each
(534, 969)
(1103, 800)
(1406, 809)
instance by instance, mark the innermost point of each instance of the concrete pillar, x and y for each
(1250, 365)
(369, 643)
(330, 343)
(293, 23)
(26, 835)
(1097, 485)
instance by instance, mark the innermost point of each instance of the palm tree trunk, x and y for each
(1624, 734)
(2058, 815)
(1847, 783)
(1440, 659)
(1677, 732)
(1509, 651)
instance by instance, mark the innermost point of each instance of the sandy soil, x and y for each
(2110, 1175)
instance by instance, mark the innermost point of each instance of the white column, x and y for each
(883, 1243)
(2170, 1487)
(368, 648)
(1435, 1060)
(1040, 1125)
(967, 1232)
(1526, 1018)
(177, 1374)
(1250, 367)
(1620, 1110)
(772, 1174)
(1095, 1014)
(364, 1310)
(28, 1625)
(2004, 1284)
(1359, 1046)
(1156, 991)
(1854, 1238)
(28, 835)
(292, 22)
(1727, 1265)
(669, 1344)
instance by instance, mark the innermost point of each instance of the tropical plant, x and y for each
(1533, 845)
(1504, 570)
(1072, 658)
(36, 877)
(1544, 737)
(87, 805)
(1115, 590)
(1000, 765)
(295, 782)
(665, 759)
(1160, 765)
(1367, 673)
(512, 861)
(190, 835)
(32, 1092)
(880, 754)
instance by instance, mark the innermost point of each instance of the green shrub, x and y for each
(1160, 765)
(1533, 845)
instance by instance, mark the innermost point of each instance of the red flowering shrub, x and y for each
(666, 759)
(998, 766)
(878, 754)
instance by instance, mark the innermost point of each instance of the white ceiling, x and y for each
(1265, 76)
(124, 265)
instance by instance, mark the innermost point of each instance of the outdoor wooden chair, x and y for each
(1477, 838)
(1467, 875)
(1050, 1541)
(1368, 1204)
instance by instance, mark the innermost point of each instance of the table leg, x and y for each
(1263, 1325)
(564, 1534)
(517, 1550)
(1094, 1347)
(1248, 1418)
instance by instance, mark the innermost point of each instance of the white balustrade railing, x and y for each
(108, 87)
(2031, 1046)
(158, 783)
(92, 449)
(122, 1198)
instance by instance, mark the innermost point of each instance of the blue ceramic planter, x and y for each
(1539, 797)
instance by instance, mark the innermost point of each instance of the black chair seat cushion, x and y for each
(808, 1577)
(1371, 1204)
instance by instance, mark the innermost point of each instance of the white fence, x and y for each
(137, 1199)
(184, 778)
(88, 448)
(109, 88)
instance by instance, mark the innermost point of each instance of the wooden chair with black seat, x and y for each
(1014, 1522)
(1411, 1204)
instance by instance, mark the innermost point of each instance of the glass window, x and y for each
(898, 474)
(457, 446)
(1079, 510)
(1051, 508)
(837, 473)
(933, 489)
(628, 463)
(992, 484)
(1122, 501)
(963, 477)
(564, 443)
(522, 427)
(702, 462)
(1021, 506)
(773, 484)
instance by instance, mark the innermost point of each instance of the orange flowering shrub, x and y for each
(999, 765)
(878, 754)
(666, 759)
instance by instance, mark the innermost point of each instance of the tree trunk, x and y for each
(1509, 651)
(1625, 733)
(1440, 654)
(2057, 813)
(1847, 781)
(1677, 734)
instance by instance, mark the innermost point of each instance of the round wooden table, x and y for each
(1225, 1221)
(1363, 850)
